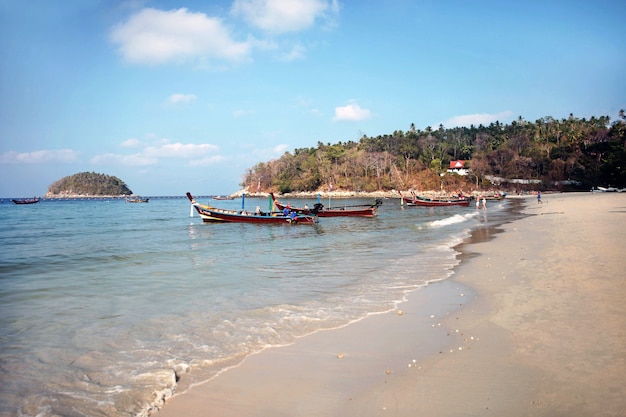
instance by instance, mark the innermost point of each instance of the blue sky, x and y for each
(174, 96)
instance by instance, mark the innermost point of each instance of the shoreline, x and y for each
(340, 194)
(361, 194)
(421, 310)
(497, 338)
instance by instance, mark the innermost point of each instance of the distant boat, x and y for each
(25, 200)
(137, 199)
(214, 214)
(365, 210)
(496, 196)
(421, 201)
(219, 197)
(607, 189)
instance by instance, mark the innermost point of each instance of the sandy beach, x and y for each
(533, 323)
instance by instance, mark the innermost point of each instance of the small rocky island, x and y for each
(88, 184)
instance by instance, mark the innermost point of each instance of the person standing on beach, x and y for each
(539, 197)
(477, 203)
(484, 204)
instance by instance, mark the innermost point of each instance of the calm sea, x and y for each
(104, 304)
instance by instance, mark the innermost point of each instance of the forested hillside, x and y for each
(554, 154)
(89, 184)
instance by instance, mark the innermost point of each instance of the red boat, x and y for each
(214, 214)
(435, 202)
(368, 210)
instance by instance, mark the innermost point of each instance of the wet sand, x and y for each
(533, 325)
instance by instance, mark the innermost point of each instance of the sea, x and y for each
(107, 308)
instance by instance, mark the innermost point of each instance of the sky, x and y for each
(185, 95)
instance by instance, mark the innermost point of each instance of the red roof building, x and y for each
(458, 167)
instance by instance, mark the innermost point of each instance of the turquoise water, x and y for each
(105, 304)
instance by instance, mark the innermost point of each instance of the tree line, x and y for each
(548, 154)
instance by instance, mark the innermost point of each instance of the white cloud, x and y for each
(281, 16)
(281, 149)
(477, 119)
(154, 36)
(152, 154)
(181, 98)
(132, 143)
(39, 157)
(180, 150)
(351, 112)
(242, 113)
(296, 53)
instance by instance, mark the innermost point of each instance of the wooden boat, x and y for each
(137, 199)
(366, 210)
(219, 197)
(25, 200)
(214, 214)
(607, 189)
(492, 197)
(417, 200)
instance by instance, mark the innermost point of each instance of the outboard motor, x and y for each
(317, 208)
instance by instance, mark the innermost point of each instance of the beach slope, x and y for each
(533, 325)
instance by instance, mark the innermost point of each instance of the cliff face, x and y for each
(88, 184)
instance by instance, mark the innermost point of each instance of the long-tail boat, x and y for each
(496, 196)
(214, 214)
(137, 199)
(25, 200)
(364, 210)
(422, 201)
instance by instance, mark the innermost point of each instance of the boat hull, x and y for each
(369, 211)
(217, 215)
(25, 201)
(422, 202)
